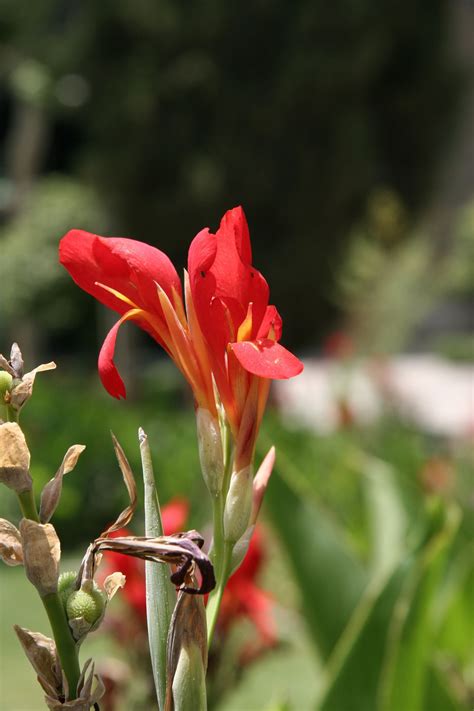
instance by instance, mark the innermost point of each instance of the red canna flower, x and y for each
(228, 333)
(141, 284)
(241, 329)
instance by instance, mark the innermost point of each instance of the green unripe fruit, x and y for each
(5, 383)
(66, 585)
(89, 605)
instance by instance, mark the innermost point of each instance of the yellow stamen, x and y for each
(117, 294)
(245, 329)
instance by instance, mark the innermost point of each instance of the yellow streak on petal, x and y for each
(117, 294)
(185, 358)
(245, 329)
(179, 307)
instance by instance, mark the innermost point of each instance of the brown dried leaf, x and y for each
(112, 583)
(41, 652)
(41, 553)
(14, 458)
(126, 516)
(182, 549)
(52, 491)
(16, 360)
(11, 550)
(80, 628)
(5, 365)
(86, 696)
(23, 391)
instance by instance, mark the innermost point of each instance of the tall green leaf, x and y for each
(382, 660)
(329, 576)
(160, 594)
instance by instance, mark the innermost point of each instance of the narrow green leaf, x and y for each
(382, 659)
(160, 593)
(386, 515)
(412, 632)
(329, 576)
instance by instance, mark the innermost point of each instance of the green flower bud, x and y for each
(211, 454)
(238, 504)
(89, 605)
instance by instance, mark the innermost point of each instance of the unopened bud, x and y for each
(238, 504)
(186, 653)
(240, 549)
(14, 458)
(41, 553)
(211, 454)
(189, 683)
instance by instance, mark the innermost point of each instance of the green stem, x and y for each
(28, 505)
(65, 644)
(217, 552)
(215, 598)
(221, 551)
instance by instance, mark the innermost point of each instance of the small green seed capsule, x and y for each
(66, 585)
(87, 605)
(5, 383)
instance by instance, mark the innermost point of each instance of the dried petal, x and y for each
(23, 391)
(16, 360)
(5, 365)
(14, 458)
(112, 583)
(41, 652)
(42, 552)
(11, 550)
(52, 491)
(127, 514)
(182, 550)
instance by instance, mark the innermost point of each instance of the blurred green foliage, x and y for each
(390, 280)
(176, 112)
(374, 544)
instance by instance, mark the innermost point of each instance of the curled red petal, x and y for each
(128, 266)
(271, 321)
(108, 372)
(267, 359)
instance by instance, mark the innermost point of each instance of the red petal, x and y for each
(267, 359)
(220, 266)
(108, 372)
(128, 266)
(174, 515)
(271, 319)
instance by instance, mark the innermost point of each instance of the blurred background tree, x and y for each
(171, 113)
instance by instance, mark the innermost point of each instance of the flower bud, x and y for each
(14, 458)
(240, 549)
(211, 454)
(238, 504)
